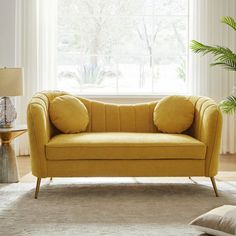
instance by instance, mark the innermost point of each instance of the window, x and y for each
(122, 46)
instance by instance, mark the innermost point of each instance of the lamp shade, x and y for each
(11, 82)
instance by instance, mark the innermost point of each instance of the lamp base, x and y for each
(7, 113)
(6, 126)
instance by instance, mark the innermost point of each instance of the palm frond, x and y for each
(223, 55)
(228, 105)
(198, 47)
(225, 65)
(229, 21)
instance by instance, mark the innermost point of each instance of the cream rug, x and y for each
(109, 206)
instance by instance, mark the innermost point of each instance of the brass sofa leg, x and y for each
(37, 188)
(50, 178)
(214, 186)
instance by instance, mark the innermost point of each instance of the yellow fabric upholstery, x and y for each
(68, 114)
(124, 146)
(137, 119)
(207, 128)
(126, 168)
(105, 117)
(173, 114)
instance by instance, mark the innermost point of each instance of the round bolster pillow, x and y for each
(68, 114)
(173, 114)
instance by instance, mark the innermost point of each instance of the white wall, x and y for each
(7, 33)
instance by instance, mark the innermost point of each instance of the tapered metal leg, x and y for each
(50, 178)
(214, 186)
(37, 188)
(190, 178)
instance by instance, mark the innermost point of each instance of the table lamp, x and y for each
(11, 84)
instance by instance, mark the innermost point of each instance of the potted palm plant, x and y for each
(224, 57)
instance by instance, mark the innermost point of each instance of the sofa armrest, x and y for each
(39, 133)
(207, 128)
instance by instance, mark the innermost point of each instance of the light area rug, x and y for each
(109, 206)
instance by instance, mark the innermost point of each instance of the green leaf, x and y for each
(225, 65)
(223, 56)
(229, 21)
(228, 105)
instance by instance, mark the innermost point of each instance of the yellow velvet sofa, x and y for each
(122, 140)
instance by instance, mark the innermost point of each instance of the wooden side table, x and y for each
(8, 163)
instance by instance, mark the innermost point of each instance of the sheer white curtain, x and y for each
(217, 83)
(35, 52)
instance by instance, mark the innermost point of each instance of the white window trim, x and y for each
(127, 96)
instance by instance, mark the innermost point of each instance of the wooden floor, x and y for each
(227, 163)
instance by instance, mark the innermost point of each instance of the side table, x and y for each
(8, 163)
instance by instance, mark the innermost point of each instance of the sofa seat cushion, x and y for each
(119, 145)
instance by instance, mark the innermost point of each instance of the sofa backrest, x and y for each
(105, 117)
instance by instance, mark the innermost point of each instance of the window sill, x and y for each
(125, 98)
(121, 96)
